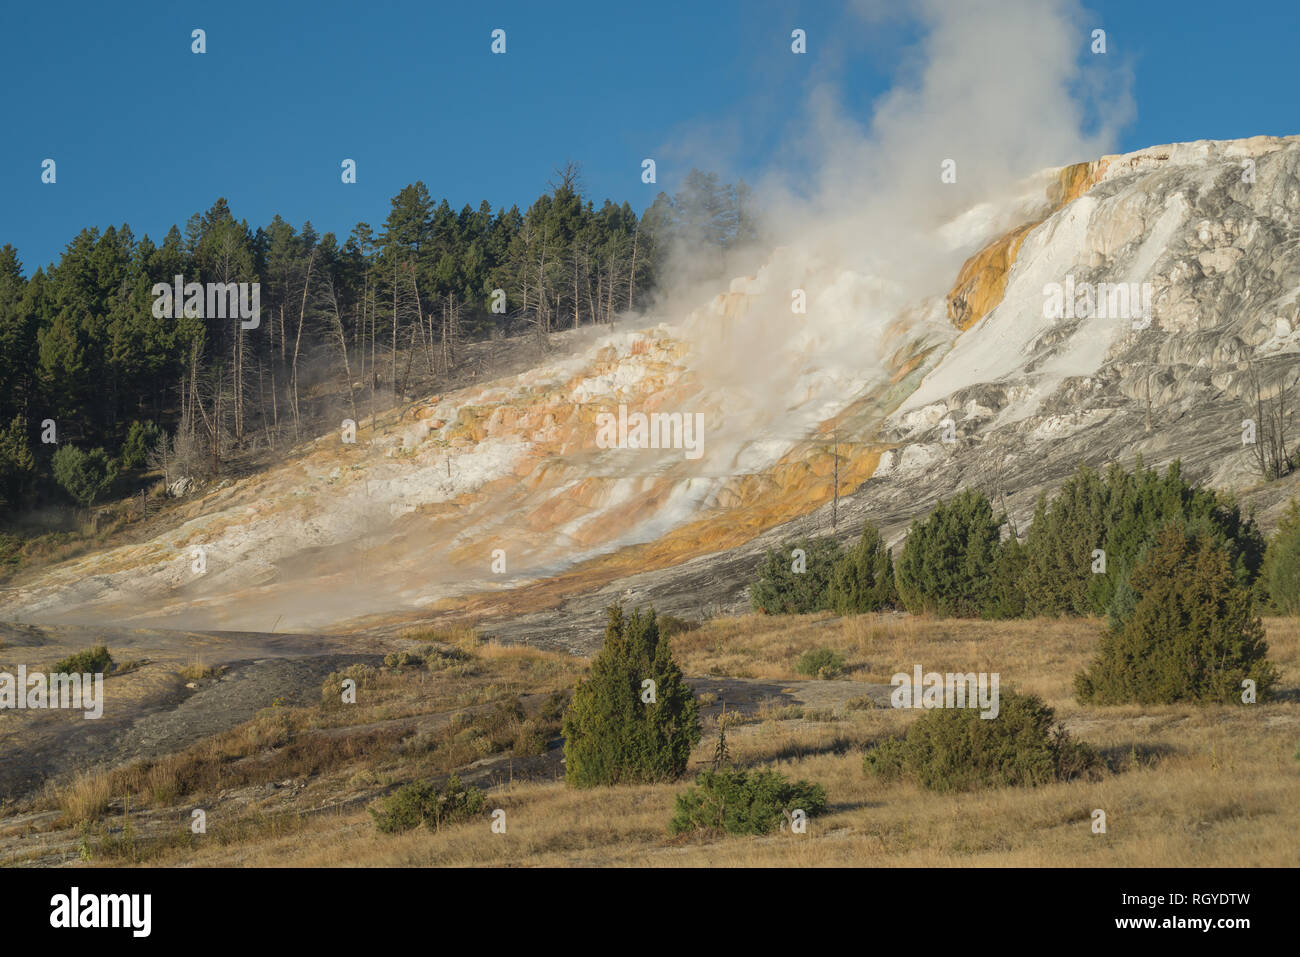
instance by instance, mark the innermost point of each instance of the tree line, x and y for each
(85, 360)
(1177, 570)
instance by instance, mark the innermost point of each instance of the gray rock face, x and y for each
(1021, 399)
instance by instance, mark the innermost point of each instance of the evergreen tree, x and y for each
(614, 733)
(79, 341)
(84, 475)
(863, 580)
(795, 580)
(950, 559)
(1191, 634)
(1282, 563)
(16, 462)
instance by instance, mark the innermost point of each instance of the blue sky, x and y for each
(144, 131)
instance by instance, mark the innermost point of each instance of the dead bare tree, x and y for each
(1270, 450)
(297, 343)
(337, 323)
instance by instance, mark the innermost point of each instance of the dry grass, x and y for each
(1226, 794)
(196, 670)
(1187, 786)
(407, 723)
(83, 799)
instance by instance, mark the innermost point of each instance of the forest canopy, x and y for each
(82, 348)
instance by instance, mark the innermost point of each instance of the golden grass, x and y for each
(1187, 786)
(1226, 802)
(1040, 656)
(85, 798)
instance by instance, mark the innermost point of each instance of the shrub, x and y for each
(423, 803)
(1282, 563)
(87, 662)
(83, 475)
(740, 802)
(331, 690)
(1007, 598)
(670, 625)
(954, 749)
(1191, 634)
(400, 659)
(820, 663)
(140, 438)
(863, 580)
(611, 735)
(949, 560)
(425, 656)
(790, 585)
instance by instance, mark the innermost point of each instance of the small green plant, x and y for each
(670, 625)
(743, 802)
(820, 663)
(423, 803)
(955, 749)
(90, 661)
(722, 753)
(331, 690)
(426, 656)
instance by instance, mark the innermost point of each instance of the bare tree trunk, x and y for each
(393, 375)
(297, 342)
(631, 276)
(609, 300)
(343, 346)
(543, 302)
(426, 341)
(576, 299)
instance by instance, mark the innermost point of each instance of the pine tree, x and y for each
(790, 583)
(1118, 514)
(950, 559)
(1191, 634)
(619, 729)
(16, 462)
(84, 475)
(863, 580)
(1282, 563)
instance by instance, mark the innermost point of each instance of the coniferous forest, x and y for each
(95, 384)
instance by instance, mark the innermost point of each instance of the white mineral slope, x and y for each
(413, 513)
(1185, 218)
(416, 512)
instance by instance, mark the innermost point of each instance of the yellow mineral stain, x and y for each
(983, 278)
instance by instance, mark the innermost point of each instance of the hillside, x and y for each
(405, 523)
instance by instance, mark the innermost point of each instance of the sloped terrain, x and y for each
(495, 504)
